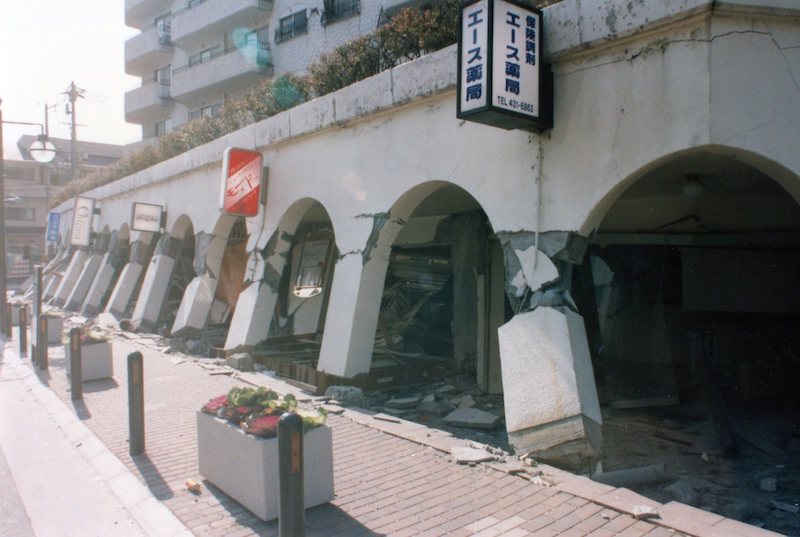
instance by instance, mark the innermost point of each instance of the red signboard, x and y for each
(241, 181)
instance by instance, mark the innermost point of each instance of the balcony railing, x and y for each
(147, 50)
(191, 23)
(338, 10)
(222, 68)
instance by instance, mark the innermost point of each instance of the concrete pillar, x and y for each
(84, 282)
(156, 284)
(140, 252)
(551, 400)
(110, 268)
(352, 318)
(199, 295)
(467, 247)
(256, 305)
(550, 395)
(70, 277)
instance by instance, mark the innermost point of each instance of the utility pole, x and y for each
(73, 92)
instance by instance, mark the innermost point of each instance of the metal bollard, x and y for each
(23, 331)
(10, 323)
(291, 514)
(136, 403)
(41, 343)
(75, 365)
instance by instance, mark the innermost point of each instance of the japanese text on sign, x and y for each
(474, 56)
(515, 76)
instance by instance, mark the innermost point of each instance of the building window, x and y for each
(20, 213)
(164, 26)
(292, 26)
(205, 56)
(162, 127)
(335, 10)
(211, 110)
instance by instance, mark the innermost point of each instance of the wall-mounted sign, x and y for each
(82, 214)
(146, 217)
(241, 181)
(502, 80)
(53, 221)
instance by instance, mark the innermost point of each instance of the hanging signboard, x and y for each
(82, 214)
(241, 181)
(146, 217)
(502, 80)
(53, 221)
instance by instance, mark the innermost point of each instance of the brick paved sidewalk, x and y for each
(385, 484)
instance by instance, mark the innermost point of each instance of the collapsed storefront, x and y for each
(641, 254)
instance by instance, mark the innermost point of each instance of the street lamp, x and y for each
(42, 151)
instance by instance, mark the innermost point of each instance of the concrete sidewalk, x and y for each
(390, 478)
(57, 478)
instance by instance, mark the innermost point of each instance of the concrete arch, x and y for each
(360, 275)
(166, 265)
(268, 261)
(781, 173)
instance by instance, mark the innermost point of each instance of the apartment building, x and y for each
(193, 55)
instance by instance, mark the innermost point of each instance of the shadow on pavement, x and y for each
(152, 477)
(81, 410)
(322, 521)
(100, 385)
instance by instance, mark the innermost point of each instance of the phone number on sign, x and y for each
(516, 105)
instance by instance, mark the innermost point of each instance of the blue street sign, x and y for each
(53, 220)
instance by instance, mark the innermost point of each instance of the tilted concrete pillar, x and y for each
(352, 317)
(110, 268)
(156, 284)
(199, 295)
(550, 396)
(140, 253)
(89, 272)
(256, 305)
(70, 277)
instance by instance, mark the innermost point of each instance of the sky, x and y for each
(45, 44)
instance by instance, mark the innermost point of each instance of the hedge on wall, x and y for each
(410, 34)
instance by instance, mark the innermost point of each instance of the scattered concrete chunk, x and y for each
(472, 417)
(403, 402)
(444, 391)
(242, 362)
(466, 402)
(346, 395)
(466, 455)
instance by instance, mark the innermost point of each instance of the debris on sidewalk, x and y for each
(193, 486)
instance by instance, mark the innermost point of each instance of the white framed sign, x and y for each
(82, 215)
(146, 217)
(502, 80)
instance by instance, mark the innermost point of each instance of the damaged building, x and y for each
(642, 253)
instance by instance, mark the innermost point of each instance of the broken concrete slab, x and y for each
(403, 403)
(466, 402)
(466, 455)
(444, 391)
(346, 395)
(472, 417)
(241, 361)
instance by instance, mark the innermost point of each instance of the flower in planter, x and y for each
(258, 410)
(93, 334)
(263, 426)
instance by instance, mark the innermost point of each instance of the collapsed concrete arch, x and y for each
(170, 270)
(270, 259)
(128, 284)
(111, 267)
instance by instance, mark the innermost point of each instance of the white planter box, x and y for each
(55, 325)
(96, 361)
(245, 467)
